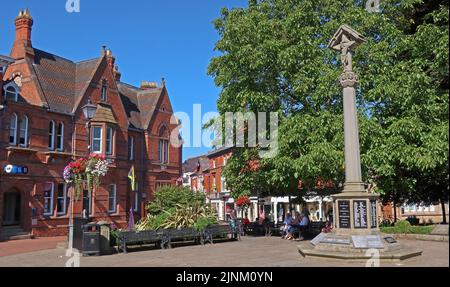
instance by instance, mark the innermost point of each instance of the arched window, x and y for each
(51, 135)
(10, 93)
(163, 145)
(104, 92)
(13, 130)
(23, 131)
(60, 137)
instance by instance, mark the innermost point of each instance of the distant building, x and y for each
(425, 213)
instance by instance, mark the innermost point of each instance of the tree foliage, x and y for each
(274, 57)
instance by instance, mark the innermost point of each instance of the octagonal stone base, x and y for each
(390, 251)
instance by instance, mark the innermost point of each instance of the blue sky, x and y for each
(150, 39)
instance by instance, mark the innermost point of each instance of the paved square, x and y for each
(250, 252)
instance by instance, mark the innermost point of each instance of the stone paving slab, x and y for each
(250, 252)
(29, 245)
(440, 229)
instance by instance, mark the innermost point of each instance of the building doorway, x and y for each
(11, 208)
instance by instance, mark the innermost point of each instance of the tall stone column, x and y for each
(354, 212)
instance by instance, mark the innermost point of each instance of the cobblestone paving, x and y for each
(250, 252)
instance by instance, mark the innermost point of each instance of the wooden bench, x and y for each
(126, 238)
(184, 234)
(219, 230)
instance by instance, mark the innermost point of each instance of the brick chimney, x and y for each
(24, 23)
(117, 73)
(148, 85)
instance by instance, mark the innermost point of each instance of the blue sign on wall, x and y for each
(14, 170)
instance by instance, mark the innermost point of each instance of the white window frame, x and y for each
(24, 145)
(109, 143)
(100, 139)
(89, 196)
(60, 137)
(52, 195)
(51, 134)
(112, 187)
(131, 148)
(136, 198)
(64, 212)
(11, 131)
(16, 91)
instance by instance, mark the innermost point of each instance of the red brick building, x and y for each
(43, 128)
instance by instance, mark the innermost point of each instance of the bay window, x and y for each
(109, 140)
(97, 139)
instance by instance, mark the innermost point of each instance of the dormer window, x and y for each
(104, 92)
(10, 92)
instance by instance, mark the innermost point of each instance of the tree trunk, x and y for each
(395, 211)
(444, 215)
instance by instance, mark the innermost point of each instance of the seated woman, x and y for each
(287, 223)
(291, 227)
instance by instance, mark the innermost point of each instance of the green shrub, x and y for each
(169, 197)
(204, 222)
(403, 226)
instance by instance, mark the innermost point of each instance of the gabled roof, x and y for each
(191, 165)
(139, 104)
(62, 81)
(62, 84)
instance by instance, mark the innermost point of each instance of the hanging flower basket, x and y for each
(243, 202)
(86, 170)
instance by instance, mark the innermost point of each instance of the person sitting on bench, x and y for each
(294, 224)
(301, 222)
(303, 226)
(287, 223)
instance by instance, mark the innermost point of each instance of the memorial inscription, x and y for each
(344, 213)
(373, 214)
(360, 214)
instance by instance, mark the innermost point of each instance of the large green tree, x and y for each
(274, 57)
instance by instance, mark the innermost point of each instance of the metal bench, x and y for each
(219, 230)
(184, 234)
(126, 238)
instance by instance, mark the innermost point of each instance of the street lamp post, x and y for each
(89, 111)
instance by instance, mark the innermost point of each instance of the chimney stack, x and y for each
(23, 23)
(117, 73)
(148, 85)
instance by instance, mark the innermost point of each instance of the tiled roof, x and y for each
(104, 114)
(62, 81)
(219, 151)
(191, 165)
(139, 104)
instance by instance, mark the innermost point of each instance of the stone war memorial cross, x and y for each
(356, 234)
